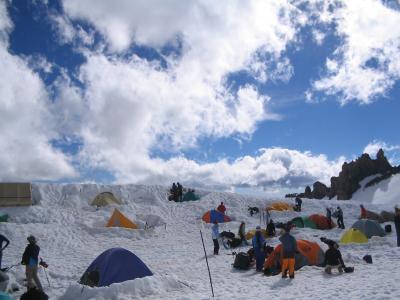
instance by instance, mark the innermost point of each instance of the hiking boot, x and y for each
(284, 275)
(291, 276)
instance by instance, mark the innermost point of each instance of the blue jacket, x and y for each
(289, 245)
(31, 255)
(258, 246)
(215, 231)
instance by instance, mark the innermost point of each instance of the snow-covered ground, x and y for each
(71, 235)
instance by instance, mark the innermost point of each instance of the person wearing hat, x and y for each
(289, 249)
(258, 246)
(30, 259)
(215, 237)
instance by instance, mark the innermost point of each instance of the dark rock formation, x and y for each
(320, 190)
(348, 181)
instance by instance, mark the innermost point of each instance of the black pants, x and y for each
(340, 222)
(216, 246)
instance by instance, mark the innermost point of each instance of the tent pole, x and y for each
(205, 255)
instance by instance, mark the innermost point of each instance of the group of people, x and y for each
(176, 192)
(339, 217)
(30, 259)
(333, 257)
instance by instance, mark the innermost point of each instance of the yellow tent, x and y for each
(353, 236)
(105, 198)
(119, 220)
(280, 206)
(251, 233)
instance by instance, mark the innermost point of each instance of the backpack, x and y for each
(34, 294)
(368, 259)
(235, 242)
(242, 261)
(227, 234)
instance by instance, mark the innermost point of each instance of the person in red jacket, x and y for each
(363, 212)
(221, 208)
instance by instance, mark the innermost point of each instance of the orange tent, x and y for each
(310, 254)
(321, 222)
(280, 206)
(119, 220)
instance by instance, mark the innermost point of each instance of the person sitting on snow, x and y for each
(333, 259)
(258, 246)
(221, 208)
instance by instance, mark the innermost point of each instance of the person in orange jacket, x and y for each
(221, 208)
(289, 249)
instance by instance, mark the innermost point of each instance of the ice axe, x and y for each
(45, 266)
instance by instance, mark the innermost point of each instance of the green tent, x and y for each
(309, 223)
(298, 222)
(190, 196)
(4, 218)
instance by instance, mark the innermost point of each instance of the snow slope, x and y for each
(71, 234)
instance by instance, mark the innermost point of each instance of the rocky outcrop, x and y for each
(348, 181)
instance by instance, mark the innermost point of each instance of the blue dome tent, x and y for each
(114, 265)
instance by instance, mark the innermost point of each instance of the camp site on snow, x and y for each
(131, 241)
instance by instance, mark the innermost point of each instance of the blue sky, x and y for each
(259, 95)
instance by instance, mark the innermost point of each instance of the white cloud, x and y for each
(366, 64)
(391, 151)
(26, 125)
(130, 106)
(270, 168)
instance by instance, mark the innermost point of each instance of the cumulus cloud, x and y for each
(131, 106)
(26, 123)
(366, 64)
(391, 151)
(270, 168)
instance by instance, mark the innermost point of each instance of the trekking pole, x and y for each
(45, 273)
(209, 273)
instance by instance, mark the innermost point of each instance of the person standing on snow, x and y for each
(258, 246)
(289, 249)
(30, 259)
(397, 224)
(339, 216)
(298, 204)
(242, 232)
(221, 208)
(180, 191)
(271, 228)
(363, 212)
(329, 217)
(3, 239)
(215, 237)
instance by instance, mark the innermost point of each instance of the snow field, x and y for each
(71, 235)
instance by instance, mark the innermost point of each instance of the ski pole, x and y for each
(209, 273)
